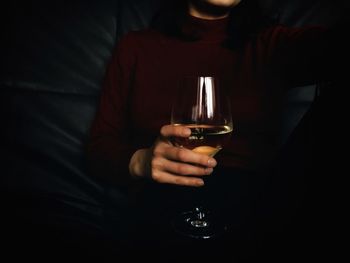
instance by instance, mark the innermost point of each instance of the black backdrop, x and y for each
(53, 59)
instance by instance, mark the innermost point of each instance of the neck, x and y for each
(206, 11)
(199, 29)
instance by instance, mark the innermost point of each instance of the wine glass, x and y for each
(202, 107)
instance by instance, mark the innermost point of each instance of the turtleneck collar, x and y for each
(215, 30)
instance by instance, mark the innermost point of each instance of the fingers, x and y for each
(177, 165)
(167, 178)
(180, 154)
(175, 131)
(180, 168)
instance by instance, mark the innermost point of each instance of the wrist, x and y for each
(139, 164)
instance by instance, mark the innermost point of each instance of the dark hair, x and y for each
(245, 21)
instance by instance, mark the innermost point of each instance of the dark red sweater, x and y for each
(142, 76)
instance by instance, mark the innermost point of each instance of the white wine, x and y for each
(204, 138)
(207, 150)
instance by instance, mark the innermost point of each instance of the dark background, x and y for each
(53, 59)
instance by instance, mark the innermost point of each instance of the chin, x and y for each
(223, 3)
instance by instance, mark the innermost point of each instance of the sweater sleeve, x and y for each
(110, 148)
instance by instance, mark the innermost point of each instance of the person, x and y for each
(257, 61)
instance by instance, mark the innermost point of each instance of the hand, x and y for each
(166, 163)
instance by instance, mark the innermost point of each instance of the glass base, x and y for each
(199, 225)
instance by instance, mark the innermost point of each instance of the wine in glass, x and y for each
(202, 107)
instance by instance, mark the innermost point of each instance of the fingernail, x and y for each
(211, 162)
(186, 132)
(200, 183)
(209, 170)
